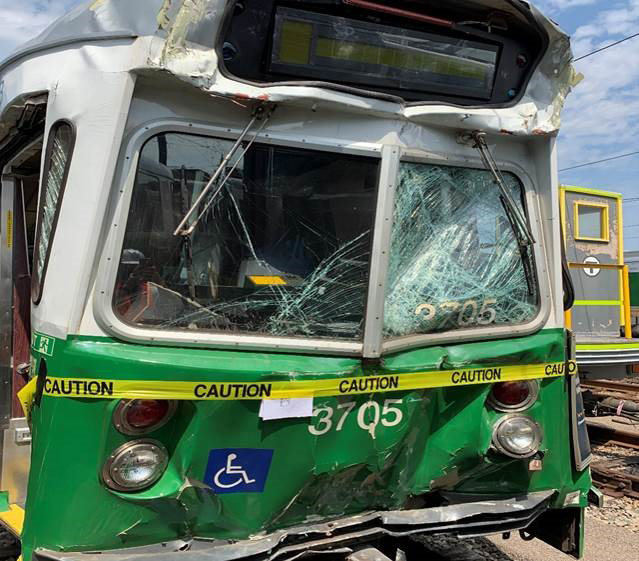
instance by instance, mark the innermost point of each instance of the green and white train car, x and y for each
(284, 278)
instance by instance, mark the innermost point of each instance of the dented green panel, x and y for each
(342, 462)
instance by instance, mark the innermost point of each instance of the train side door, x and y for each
(18, 212)
(594, 253)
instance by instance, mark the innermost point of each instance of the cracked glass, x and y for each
(455, 262)
(283, 248)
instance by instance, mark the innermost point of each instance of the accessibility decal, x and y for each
(238, 470)
(209, 391)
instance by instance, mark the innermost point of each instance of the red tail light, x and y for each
(140, 416)
(513, 396)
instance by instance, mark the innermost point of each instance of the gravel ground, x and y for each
(622, 512)
(603, 543)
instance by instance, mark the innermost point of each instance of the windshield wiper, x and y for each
(261, 114)
(515, 216)
(518, 223)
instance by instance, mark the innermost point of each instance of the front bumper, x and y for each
(337, 536)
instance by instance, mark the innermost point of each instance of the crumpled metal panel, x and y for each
(515, 512)
(186, 30)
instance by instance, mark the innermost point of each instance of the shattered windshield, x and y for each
(283, 248)
(455, 262)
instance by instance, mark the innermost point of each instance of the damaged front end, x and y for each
(341, 537)
(240, 485)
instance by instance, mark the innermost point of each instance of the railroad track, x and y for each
(609, 476)
(622, 390)
(604, 434)
(611, 385)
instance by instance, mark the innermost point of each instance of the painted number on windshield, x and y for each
(368, 415)
(461, 313)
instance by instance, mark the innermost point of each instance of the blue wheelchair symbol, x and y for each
(238, 470)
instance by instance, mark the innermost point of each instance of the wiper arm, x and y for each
(261, 114)
(515, 216)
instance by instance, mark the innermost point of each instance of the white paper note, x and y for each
(286, 408)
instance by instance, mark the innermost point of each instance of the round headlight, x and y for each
(135, 465)
(513, 396)
(517, 436)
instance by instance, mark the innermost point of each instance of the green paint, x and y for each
(597, 303)
(4, 501)
(588, 191)
(441, 443)
(621, 346)
(634, 289)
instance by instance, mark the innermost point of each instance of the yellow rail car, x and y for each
(601, 314)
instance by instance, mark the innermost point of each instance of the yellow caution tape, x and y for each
(203, 390)
(26, 395)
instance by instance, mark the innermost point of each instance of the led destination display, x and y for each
(327, 47)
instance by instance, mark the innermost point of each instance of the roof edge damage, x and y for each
(185, 32)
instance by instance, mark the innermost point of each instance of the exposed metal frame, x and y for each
(7, 209)
(540, 264)
(14, 452)
(372, 344)
(481, 515)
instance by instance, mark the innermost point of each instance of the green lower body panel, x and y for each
(232, 474)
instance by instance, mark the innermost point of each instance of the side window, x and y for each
(591, 221)
(54, 177)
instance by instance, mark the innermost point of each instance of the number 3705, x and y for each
(369, 415)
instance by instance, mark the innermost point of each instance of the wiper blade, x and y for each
(261, 114)
(515, 216)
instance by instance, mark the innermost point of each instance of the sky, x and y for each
(601, 117)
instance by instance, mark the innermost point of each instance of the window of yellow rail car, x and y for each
(455, 262)
(591, 221)
(283, 248)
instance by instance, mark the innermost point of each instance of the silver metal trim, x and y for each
(121, 424)
(466, 518)
(108, 264)
(496, 442)
(626, 356)
(374, 318)
(109, 478)
(497, 405)
(541, 269)
(16, 458)
(259, 114)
